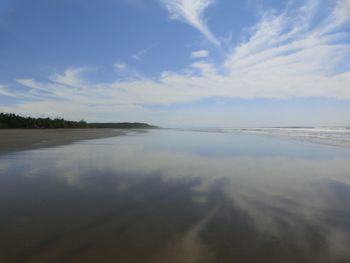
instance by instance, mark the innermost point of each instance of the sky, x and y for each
(178, 63)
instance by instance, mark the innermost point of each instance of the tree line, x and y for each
(13, 121)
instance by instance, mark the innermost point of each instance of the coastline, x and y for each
(13, 140)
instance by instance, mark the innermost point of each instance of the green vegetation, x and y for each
(13, 121)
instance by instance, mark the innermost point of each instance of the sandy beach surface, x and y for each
(17, 140)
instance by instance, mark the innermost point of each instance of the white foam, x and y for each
(337, 136)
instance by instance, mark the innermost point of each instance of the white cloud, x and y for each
(4, 91)
(204, 67)
(200, 54)
(191, 12)
(71, 76)
(342, 10)
(125, 72)
(141, 54)
(120, 66)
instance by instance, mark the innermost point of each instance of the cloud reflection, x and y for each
(295, 198)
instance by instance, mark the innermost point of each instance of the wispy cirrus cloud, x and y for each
(72, 76)
(191, 12)
(4, 91)
(125, 72)
(200, 54)
(142, 53)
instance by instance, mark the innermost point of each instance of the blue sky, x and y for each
(178, 62)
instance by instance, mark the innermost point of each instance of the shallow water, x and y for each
(177, 196)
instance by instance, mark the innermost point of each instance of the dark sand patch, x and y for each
(17, 140)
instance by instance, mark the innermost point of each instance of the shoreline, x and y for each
(14, 140)
(331, 136)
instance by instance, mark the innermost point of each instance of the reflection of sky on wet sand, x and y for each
(195, 197)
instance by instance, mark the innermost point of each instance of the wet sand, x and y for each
(177, 197)
(17, 140)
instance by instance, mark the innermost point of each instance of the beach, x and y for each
(172, 196)
(20, 139)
